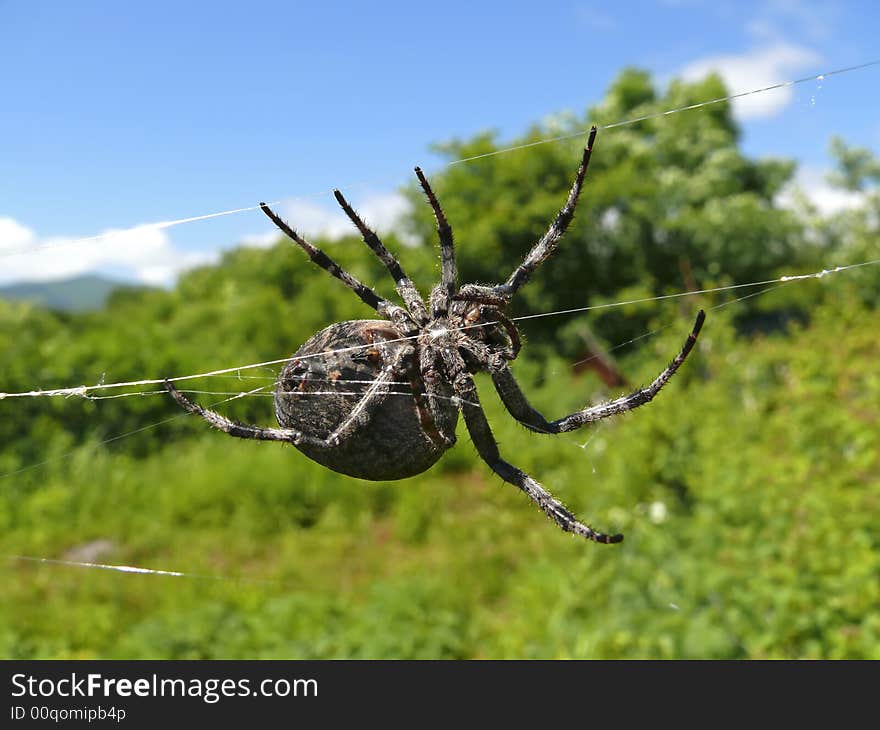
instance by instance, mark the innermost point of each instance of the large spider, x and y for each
(379, 399)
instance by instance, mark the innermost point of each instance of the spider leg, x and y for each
(402, 282)
(377, 392)
(448, 273)
(490, 355)
(367, 295)
(359, 415)
(547, 245)
(519, 407)
(482, 294)
(487, 447)
(233, 428)
(430, 407)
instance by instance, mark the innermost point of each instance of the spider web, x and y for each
(235, 372)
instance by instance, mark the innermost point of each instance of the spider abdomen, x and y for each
(321, 387)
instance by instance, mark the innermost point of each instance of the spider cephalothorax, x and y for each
(379, 399)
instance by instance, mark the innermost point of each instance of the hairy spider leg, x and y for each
(481, 294)
(404, 285)
(519, 407)
(432, 378)
(547, 245)
(480, 349)
(448, 273)
(358, 417)
(487, 447)
(368, 296)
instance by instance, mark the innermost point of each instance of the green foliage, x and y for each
(857, 165)
(749, 491)
(670, 203)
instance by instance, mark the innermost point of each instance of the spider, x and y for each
(379, 399)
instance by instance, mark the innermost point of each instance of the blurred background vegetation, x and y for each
(749, 491)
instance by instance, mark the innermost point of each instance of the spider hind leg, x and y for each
(519, 407)
(487, 447)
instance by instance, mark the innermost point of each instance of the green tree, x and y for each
(852, 234)
(671, 203)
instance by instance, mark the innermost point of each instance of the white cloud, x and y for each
(810, 183)
(382, 212)
(261, 240)
(14, 236)
(756, 69)
(144, 253)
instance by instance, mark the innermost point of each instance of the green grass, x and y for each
(749, 493)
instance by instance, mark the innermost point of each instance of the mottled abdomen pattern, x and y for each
(323, 383)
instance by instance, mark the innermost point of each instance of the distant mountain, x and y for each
(77, 294)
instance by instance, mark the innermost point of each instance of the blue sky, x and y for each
(121, 114)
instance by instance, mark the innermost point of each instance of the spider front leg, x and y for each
(487, 447)
(519, 407)
(448, 271)
(396, 314)
(545, 248)
(402, 282)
